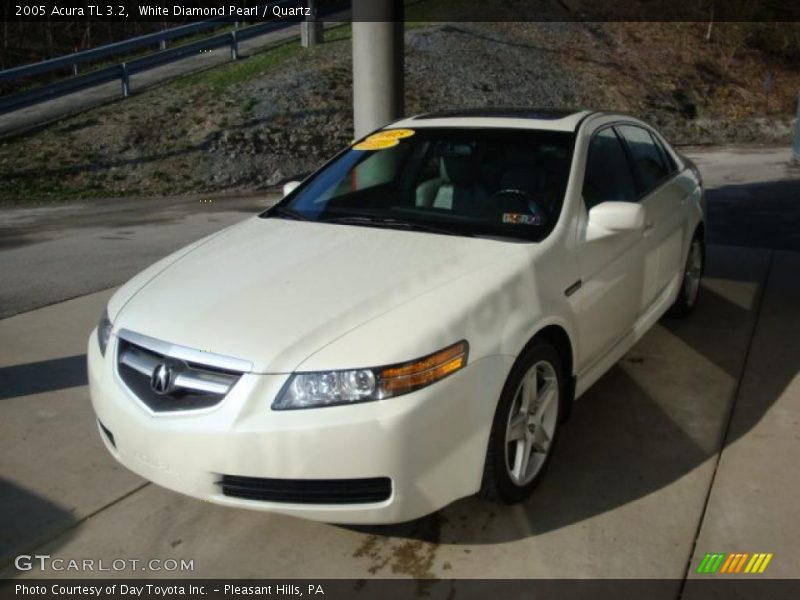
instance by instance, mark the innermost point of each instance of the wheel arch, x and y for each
(700, 230)
(558, 337)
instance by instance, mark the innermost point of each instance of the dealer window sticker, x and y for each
(521, 219)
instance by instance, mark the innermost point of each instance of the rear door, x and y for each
(664, 201)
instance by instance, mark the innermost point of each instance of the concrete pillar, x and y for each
(796, 144)
(311, 31)
(234, 45)
(377, 63)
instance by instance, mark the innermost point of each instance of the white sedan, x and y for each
(410, 325)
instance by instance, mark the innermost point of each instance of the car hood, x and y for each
(274, 291)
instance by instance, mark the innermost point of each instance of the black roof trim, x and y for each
(549, 114)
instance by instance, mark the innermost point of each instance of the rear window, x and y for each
(608, 175)
(647, 156)
(668, 160)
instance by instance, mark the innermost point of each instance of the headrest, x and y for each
(457, 169)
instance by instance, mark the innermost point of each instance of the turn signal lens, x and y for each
(408, 377)
(330, 388)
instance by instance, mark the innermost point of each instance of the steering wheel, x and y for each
(526, 197)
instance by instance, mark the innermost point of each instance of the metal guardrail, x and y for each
(79, 58)
(124, 70)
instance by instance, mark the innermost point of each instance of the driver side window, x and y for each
(608, 174)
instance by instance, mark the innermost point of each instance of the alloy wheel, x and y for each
(532, 422)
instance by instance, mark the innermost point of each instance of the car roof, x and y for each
(518, 118)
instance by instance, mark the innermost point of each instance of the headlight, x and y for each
(104, 332)
(329, 388)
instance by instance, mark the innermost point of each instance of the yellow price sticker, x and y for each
(375, 144)
(383, 139)
(392, 134)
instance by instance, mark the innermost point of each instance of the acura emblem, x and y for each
(161, 379)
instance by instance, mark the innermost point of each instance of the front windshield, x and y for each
(506, 183)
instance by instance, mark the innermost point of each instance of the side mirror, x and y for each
(289, 187)
(608, 218)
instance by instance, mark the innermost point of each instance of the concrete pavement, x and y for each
(753, 505)
(52, 467)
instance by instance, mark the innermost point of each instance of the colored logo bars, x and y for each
(742, 562)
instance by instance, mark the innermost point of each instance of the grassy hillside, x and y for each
(279, 113)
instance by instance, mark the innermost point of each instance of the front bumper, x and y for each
(431, 444)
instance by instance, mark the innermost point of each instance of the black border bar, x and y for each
(710, 587)
(183, 11)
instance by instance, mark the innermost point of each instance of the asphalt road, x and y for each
(56, 252)
(752, 196)
(687, 446)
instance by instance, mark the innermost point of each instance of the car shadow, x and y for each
(43, 376)
(29, 517)
(763, 214)
(651, 420)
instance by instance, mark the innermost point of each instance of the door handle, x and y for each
(648, 228)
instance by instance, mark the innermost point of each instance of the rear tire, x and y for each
(525, 426)
(690, 284)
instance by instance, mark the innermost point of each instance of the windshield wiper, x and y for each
(289, 213)
(392, 223)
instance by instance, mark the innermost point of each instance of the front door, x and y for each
(612, 267)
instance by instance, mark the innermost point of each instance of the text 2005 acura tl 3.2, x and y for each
(408, 326)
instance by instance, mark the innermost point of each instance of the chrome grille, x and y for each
(169, 378)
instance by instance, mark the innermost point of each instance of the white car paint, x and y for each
(291, 296)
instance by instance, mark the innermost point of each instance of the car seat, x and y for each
(459, 189)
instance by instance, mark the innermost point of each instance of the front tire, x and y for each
(692, 273)
(525, 427)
